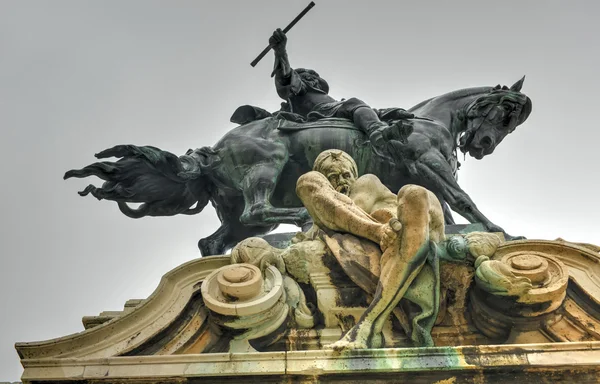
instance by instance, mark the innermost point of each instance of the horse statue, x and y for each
(250, 175)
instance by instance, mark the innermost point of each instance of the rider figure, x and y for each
(307, 95)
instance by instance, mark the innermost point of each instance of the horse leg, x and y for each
(448, 219)
(258, 187)
(227, 237)
(231, 231)
(438, 173)
(215, 243)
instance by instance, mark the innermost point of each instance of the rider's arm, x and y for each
(281, 67)
(287, 81)
(289, 86)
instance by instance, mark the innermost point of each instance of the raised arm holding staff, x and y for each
(285, 30)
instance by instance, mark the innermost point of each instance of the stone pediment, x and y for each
(122, 334)
(178, 334)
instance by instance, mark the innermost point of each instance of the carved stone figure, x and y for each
(389, 245)
(404, 227)
(395, 250)
(207, 314)
(250, 175)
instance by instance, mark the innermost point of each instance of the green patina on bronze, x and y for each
(250, 175)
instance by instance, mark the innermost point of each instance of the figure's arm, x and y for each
(287, 81)
(335, 211)
(281, 69)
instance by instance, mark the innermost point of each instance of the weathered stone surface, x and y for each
(486, 364)
(133, 328)
(166, 338)
(103, 317)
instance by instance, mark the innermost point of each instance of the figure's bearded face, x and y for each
(313, 81)
(341, 176)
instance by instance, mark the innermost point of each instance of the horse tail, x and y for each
(163, 183)
(134, 213)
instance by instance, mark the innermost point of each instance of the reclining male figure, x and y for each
(403, 226)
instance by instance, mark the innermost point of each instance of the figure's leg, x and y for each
(424, 292)
(378, 131)
(421, 217)
(333, 210)
(258, 186)
(435, 168)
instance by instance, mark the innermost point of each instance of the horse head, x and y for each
(493, 116)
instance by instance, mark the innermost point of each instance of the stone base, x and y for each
(171, 337)
(526, 363)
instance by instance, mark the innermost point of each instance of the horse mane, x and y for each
(422, 103)
(466, 92)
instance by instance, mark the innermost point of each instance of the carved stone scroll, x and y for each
(518, 293)
(244, 301)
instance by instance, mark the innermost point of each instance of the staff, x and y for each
(285, 30)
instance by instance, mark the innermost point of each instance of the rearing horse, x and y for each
(250, 174)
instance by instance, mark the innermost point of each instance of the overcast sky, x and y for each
(77, 77)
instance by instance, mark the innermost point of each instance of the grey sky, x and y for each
(77, 77)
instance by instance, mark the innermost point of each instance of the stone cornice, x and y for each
(174, 368)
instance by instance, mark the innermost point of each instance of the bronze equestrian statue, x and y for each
(250, 175)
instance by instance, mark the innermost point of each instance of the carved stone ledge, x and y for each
(103, 317)
(329, 297)
(134, 328)
(578, 362)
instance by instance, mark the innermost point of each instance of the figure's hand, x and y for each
(389, 233)
(278, 41)
(400, 131)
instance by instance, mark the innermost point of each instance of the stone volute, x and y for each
(497, 312)
(548, 276)
(242, 299)
(242, 281)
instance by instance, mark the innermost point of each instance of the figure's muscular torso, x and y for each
(369, 193)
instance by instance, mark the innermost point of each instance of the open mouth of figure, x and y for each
(342, 189)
